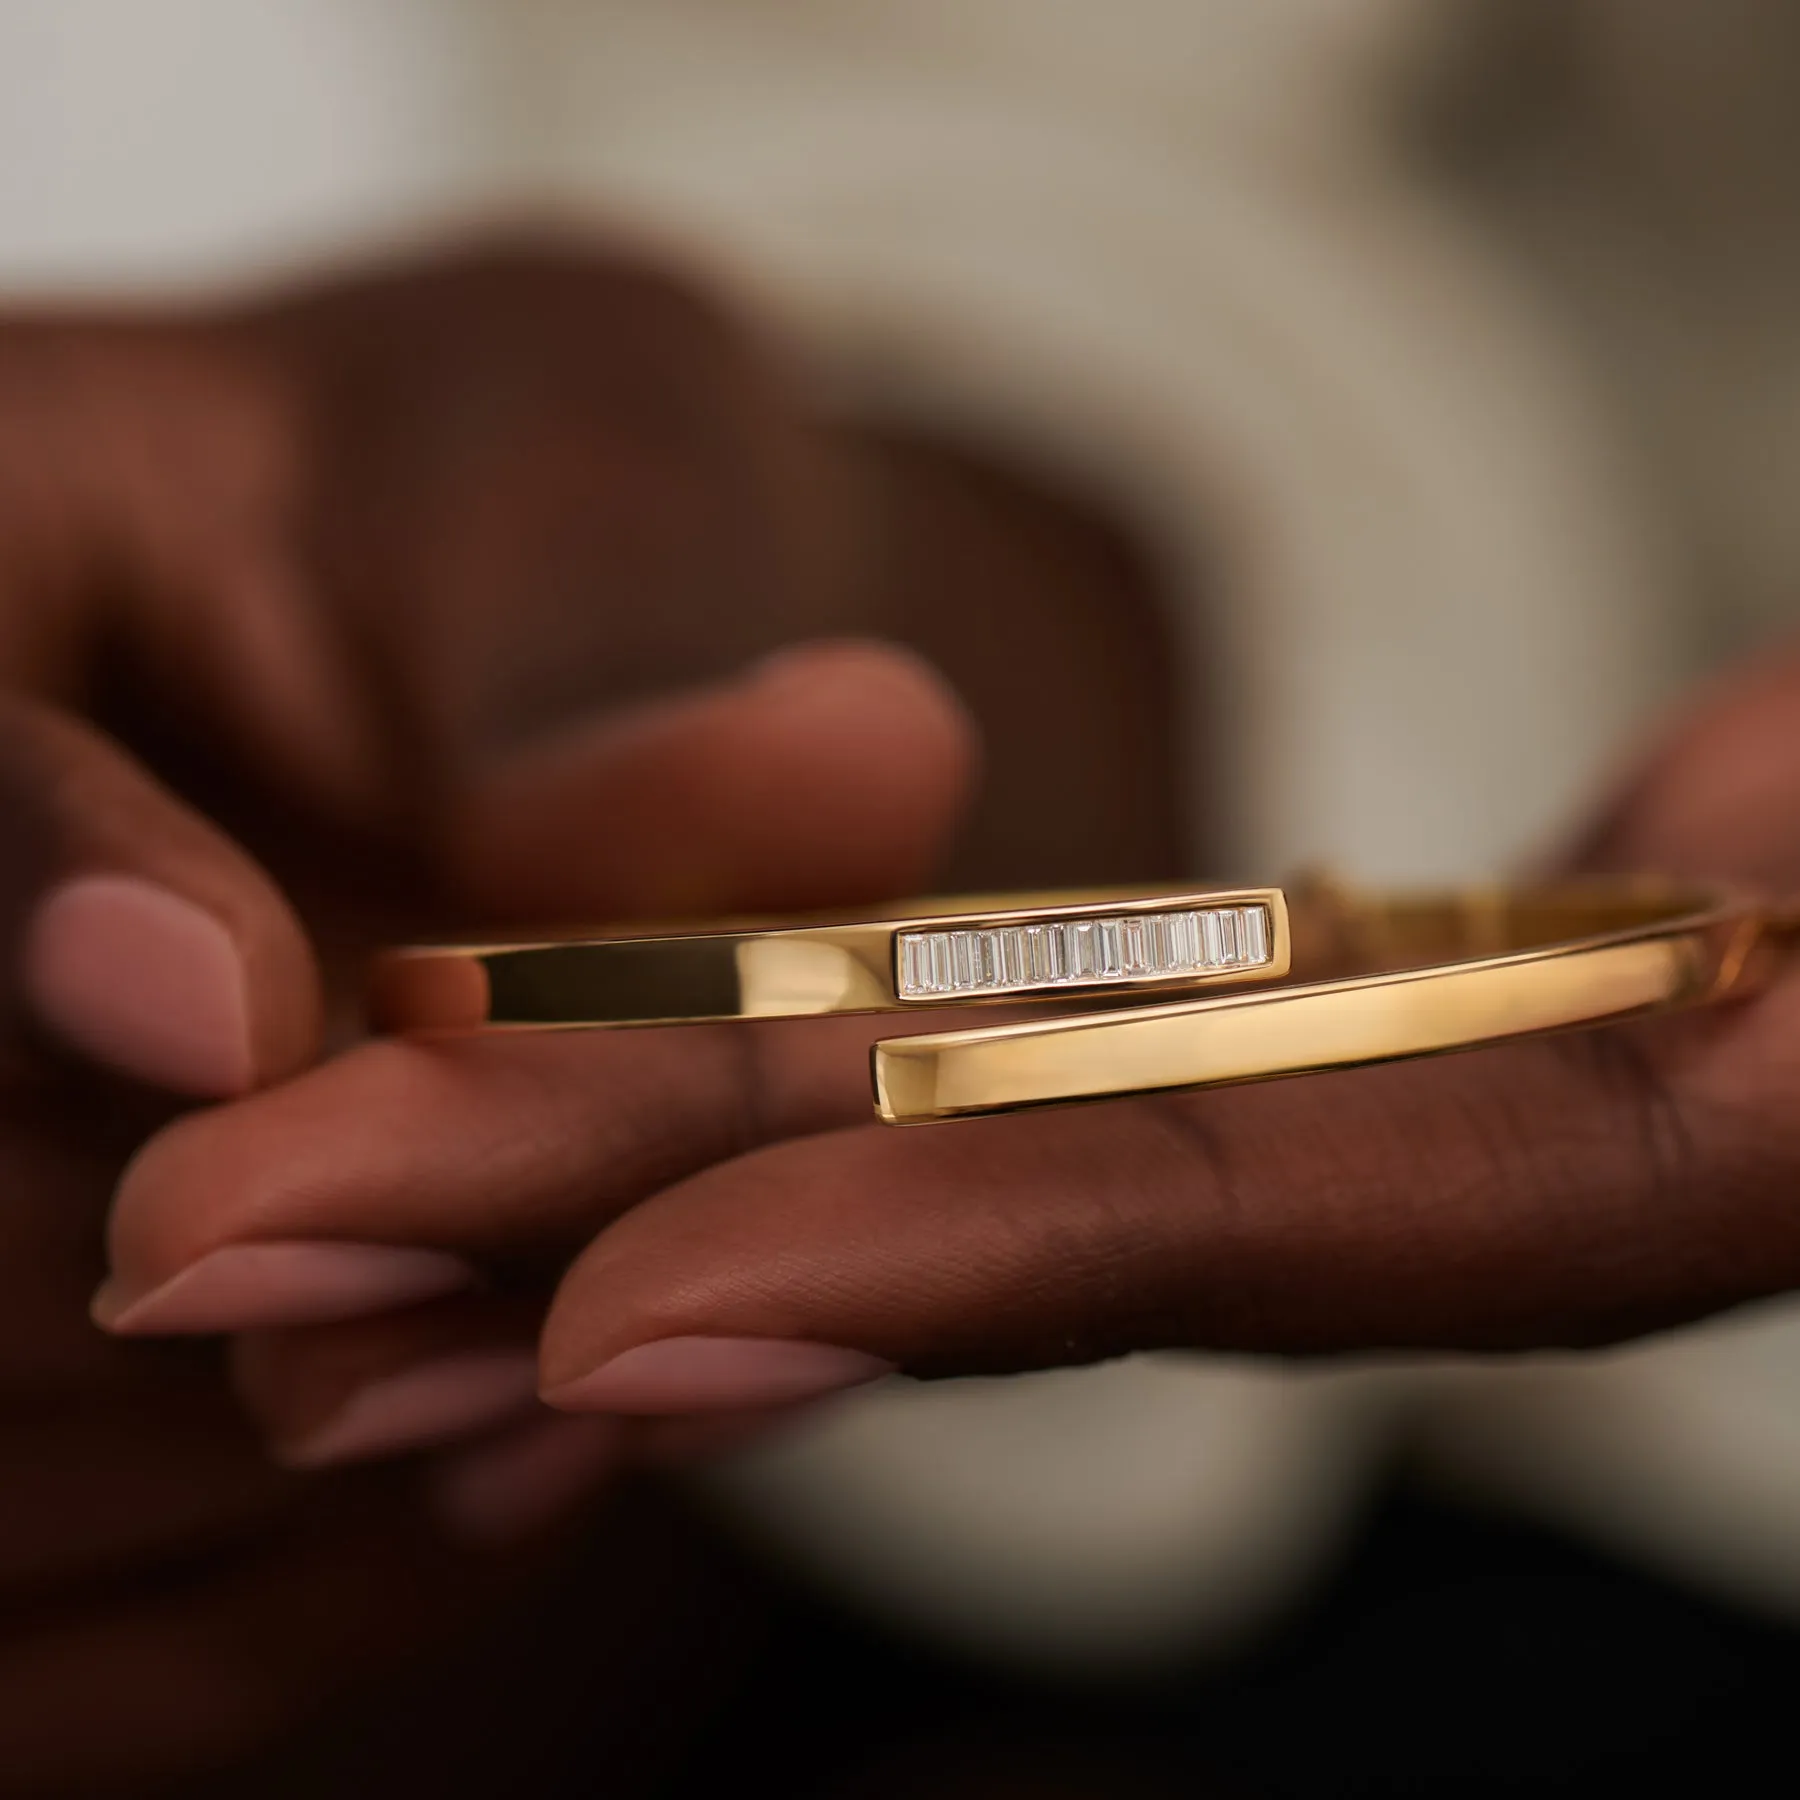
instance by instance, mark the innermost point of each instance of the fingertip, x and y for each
(205, 1000)
(895, 699)
(264, 1285)
(144, 982)
(676, 1376)
(875, 754)
(870, 666)
(138, 933)
(831, 774)
(526, 1482)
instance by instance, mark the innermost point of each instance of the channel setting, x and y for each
(948, 951)
(1082, 951)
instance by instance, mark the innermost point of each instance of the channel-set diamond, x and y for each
(1011, 959)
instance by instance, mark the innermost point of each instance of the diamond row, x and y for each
(1013, 958)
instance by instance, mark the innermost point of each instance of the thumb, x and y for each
(136, 933)
(831, 774)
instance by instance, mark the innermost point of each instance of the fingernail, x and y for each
(249, 1285)
(715, 1374)
(427, 1404)
(495, 1494)
(143, 981)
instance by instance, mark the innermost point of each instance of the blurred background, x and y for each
(1423, 376)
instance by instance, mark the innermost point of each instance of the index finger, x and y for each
(507, 1145)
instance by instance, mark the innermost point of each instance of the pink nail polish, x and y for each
(715, 1374)
(248, 1285)
(428, 1404)
(143, 981)
(496, 1494)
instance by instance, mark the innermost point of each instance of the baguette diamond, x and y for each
(1088, 951)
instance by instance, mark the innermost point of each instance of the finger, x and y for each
(396, 1382)
(1718, 795)
(149, 485)
(528, 1480)
(542, 483)
(832, 774)
(1568, 1191)
(139, 935)
(489, 1146)
(230, 633)
(433, 1375)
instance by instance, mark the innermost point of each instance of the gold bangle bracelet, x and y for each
(1340, 979)
(942, 953)
(1434, 974)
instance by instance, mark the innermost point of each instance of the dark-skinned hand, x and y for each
(323, 620)
(752, 1238)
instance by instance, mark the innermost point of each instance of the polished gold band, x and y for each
(1330, 979)
(974, 950)
(1435, 974)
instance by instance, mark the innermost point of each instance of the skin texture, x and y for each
(429, 596)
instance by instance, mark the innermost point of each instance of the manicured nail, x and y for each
(143, 981)
(428, 1404)
(250, 1285)
(495, 1494)
(715, 1374)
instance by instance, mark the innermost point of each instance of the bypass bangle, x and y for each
(1409, 976)
(943, 953)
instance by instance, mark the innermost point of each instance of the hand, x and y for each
(747, 1255)
(320, 622)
